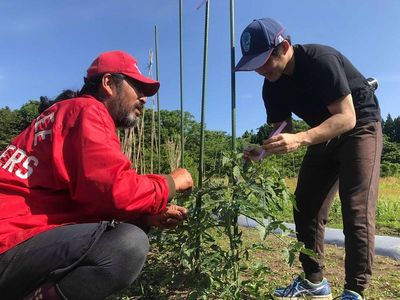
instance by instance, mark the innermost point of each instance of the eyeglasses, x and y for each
(136, 85)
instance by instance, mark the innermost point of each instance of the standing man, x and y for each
(321, 86)
(69, 199)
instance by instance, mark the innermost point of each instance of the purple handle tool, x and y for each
(274, 133)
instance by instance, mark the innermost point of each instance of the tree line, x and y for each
(12, 122)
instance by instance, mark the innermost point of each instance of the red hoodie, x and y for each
(66, 168)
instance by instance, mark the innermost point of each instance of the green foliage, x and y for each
(12, 122)
(215, 141)
(390, 158)
(27, 113)
(391, 128)
(390, 169)
(390, 165)
(9, 121)
(208, 250)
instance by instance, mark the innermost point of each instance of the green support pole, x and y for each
(233, 95)
(158, 104)
(233, 77)
(202, 122)
(181, 85)
(203, 104)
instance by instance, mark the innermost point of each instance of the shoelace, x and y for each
(293, 287)
(290, 288)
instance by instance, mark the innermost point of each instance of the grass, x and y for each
(387, 214)
(385, 284)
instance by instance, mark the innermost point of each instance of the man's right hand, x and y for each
(169, 218)
(182, 179)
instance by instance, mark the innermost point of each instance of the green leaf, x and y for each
(236, 173)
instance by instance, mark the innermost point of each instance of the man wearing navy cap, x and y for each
(72, 210)
(321, 86)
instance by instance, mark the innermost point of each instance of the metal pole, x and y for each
(181, 84)
(158, 103)
(233, 95)
(203, 104)
(233, 77)
(202, 122)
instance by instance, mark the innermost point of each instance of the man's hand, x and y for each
(182, 179)
(283, 143)
(171, 217)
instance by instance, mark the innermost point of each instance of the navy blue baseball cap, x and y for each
(257, 41)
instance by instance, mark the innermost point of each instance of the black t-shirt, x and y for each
(321, 76)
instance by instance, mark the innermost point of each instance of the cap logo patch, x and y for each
(246, 40)
(137, 68)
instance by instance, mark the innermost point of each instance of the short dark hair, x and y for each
(45, 102)
(278, 51)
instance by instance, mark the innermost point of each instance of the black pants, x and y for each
(87, 261)
(351, 163)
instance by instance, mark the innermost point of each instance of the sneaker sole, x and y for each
(325, 297)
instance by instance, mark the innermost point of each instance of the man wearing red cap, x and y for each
(69, 199)
(321, 86)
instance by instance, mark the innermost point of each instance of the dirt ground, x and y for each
(385, 282)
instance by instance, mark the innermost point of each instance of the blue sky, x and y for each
(47, 45)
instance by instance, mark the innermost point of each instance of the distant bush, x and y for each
(389, 169)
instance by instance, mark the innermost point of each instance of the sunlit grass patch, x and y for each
(388, 209)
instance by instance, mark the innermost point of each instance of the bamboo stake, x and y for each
(153, 134)
(153, 128)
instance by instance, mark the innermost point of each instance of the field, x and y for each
(385, 283)
(388, 211)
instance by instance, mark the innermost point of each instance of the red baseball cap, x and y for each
(123, 63)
